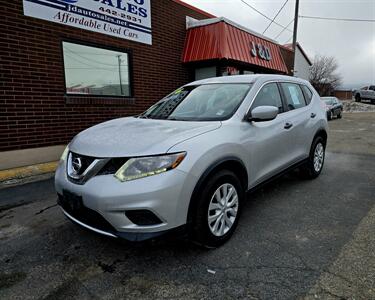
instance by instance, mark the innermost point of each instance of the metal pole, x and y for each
(119, 72)
(295, 35)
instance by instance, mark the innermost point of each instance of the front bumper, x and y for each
(166, 195)
(130, 236)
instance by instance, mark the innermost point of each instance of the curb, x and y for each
(12, 175)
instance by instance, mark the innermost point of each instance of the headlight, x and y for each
(136, 168)
(64, 155)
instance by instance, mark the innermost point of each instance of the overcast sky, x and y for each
(352, 43)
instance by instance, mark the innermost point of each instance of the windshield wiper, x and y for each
(178, 119)
(160, 118)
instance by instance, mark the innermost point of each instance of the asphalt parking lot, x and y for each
(296, 239)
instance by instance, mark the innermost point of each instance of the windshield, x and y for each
(329, 101)
(208, 102)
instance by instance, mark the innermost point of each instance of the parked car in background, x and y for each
(187, 162)
(365, 93)
(333, 106)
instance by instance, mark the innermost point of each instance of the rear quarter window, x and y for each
(307, 93)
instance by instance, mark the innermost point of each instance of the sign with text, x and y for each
(126, 19)
(259, 50)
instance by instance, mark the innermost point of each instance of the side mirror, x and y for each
(263, 113)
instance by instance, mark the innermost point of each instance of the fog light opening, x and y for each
(142, 217)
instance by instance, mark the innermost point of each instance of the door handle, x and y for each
(313, 115)
(288, 125)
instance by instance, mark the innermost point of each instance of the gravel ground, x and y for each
(354, 133)
(296, 239)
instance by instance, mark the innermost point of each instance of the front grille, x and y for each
(112, 166)
(84, 214)
(80, 168)
(86, 161)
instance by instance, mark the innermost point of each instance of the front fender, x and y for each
(204, 153)
(202, 156)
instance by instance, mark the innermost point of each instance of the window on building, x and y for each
(269, 95)
(203, 73)
(96, 71)
(294, 95)
(308, 94)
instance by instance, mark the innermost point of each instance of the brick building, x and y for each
(343, 94)
(81, 67)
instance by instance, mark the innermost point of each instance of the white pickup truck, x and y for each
(365, 93)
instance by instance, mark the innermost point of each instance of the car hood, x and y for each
(131, 136)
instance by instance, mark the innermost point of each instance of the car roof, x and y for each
(247, 79)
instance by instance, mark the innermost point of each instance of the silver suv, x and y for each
(187, 162)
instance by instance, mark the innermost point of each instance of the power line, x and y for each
(79, 61)
(262, 14)
(89, 68)
(88, 59)
(286, 42)
(276, 16)
(283, 30)
(337, 19)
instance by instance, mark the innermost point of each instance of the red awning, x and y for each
(224, 40)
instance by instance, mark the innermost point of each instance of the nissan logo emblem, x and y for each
(76, 165)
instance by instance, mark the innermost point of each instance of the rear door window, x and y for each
(293, 95)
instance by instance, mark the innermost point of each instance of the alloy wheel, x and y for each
(318, 157)
(222, 210)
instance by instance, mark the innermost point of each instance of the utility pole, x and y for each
(295, 35)
(119, 72)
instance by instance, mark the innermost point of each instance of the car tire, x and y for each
(358, 98)
(339, 116)
(329, 116)
(211, 203)
(314, 165)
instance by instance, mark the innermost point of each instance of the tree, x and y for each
(323, 75)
